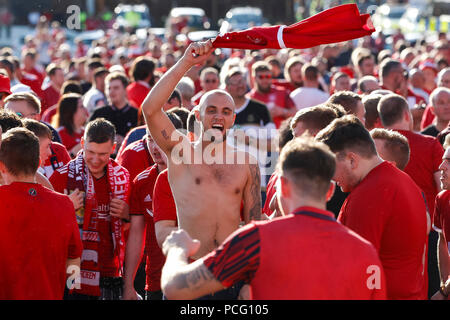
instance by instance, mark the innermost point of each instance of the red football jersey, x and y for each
(163, 203)
(387, 208)
(135, 158)
(59, 158)
(141, 204)
(38, 234)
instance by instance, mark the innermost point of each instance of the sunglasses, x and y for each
(23, 116)
(264, 76)
(210, 80)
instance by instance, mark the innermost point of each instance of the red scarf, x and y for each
(119, 181)
(341, 23)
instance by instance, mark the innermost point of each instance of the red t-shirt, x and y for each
(59, 158)
(163, 203)
(100, 221)
(277, 96)
(324, 253)
(135, 158)
(441, 222)
(38, 234)
(141, 204)
(427, 117)
(68, 140)
(425, 158)
(50, 97)
(387, 208)
(136, 92)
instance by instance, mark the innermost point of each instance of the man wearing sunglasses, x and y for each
(209, 80)
(275, 98)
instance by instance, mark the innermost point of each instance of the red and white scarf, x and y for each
(119, 182)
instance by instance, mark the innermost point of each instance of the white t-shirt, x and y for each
(308, 97)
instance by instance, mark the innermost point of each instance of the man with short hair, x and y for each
(209, 80)
(39, 240)
(391, 146)
(95, 96)
(309, 95)
(100, 190)
(214, 180)
(443, 80)
(351, 102)
(118, 112)
(392, 75)
(53, 155)
(366, 65)
(384, 206)
(371, 115)
(27, 106)
(312, 120)
(52, 92)
(440, 102)
(367, 84)
(340, 82)
(441, 224)
(141, 73)
(275, 98)
(306, 232)
(426, 152)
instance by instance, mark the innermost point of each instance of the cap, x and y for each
(5, 85)
(20, 88)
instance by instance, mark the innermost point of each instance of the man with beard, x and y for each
(208, 184)
(276, 99)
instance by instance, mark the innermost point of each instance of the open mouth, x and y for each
(218, 127)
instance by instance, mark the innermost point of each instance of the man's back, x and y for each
(38, 234)
(425, 158)
(316, 260)
(387, 208)
(135, 158)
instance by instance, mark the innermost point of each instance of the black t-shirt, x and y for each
(254, 113)
(124, 119)
(430, 131)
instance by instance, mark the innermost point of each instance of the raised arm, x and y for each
(159, 125)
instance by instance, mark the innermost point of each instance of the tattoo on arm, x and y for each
(195, 278)
(164, 134)
(255, 193)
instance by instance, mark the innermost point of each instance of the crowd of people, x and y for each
(163, 169)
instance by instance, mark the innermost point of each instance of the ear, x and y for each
(284, 187)
(114, 148)
(331, 190)
(2, 167)
(353, 160)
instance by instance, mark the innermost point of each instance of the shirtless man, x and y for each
(208, 194)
